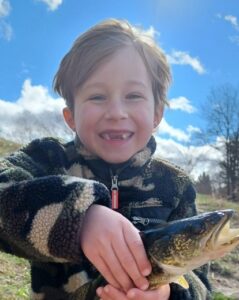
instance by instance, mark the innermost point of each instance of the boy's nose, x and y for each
(116, 109)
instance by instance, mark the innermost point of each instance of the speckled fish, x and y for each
(178, 247)
(181, 246)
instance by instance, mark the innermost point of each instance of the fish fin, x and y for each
(182, 281)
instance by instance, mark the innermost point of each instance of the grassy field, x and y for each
(224, 272)
(14, 278)
(7, 147)
(14, 272)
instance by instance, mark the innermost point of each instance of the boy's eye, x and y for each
(97, 97)
(134, 96)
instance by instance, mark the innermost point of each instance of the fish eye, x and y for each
(197, 228)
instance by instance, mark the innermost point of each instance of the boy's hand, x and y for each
(111, 293)
(114, 247)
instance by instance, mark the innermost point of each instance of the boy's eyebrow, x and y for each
(102, 83)
(133, 81)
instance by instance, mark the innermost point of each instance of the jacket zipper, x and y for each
(114, 187)
(146, 221)
(114, 192)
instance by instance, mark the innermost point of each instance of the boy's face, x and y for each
(114, 110)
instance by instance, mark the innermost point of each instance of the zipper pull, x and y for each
(143, 221)
(114, 192)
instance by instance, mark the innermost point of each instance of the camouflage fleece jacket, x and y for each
(45, 190)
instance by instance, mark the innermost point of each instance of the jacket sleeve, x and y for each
(41, 213)
(199, 285)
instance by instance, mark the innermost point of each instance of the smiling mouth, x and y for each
(116, 136)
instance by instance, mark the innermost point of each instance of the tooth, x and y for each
(106, 137)
(109, 136)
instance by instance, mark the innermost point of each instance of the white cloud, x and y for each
(176, 57)
(183, 58)
(178, 134)
(6, 31)
(52, 4)
(192, 129)
(36, 113)
(5, 8)
(234, 39)
(232, 20)
(181, 103)
(151, 32)
(37, 99)
(193, 159)
(175, 133)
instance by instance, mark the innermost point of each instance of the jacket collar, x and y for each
(126, 170)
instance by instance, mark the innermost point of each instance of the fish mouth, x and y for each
(223, 238)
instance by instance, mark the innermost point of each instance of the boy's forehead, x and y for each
(125, 64)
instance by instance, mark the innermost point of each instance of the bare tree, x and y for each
(204, 184)
(221, 113)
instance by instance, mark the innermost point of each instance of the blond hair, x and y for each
(100, 42)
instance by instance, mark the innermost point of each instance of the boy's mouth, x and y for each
(116, 135)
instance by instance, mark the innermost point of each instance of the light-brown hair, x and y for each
(100, 42)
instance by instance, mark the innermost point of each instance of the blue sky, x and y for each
(200, 38)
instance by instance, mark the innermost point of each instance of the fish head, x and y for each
(183, 245)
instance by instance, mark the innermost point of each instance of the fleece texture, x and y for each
(45, 191)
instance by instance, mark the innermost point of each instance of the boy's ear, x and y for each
(158, 115)
(69, 118)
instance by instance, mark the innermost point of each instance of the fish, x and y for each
(180, 246)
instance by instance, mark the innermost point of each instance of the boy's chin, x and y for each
(116, 160)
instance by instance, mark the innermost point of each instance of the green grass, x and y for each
(14, 271)
(220, 296)
(209, 203)
(14, 278)
(6, 147)
(226, 266)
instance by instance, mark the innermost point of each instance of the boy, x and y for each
(55, 202)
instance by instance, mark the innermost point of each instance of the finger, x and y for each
(99, 291)
(136, 247)
(111, 293)
(162, 293)
(137, 294)
(105, 271)
(117, 271)
(129, 263)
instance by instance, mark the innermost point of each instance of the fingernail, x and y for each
(146, 272)
(106, 289)
(99, 291)
(144, 286)
(131, 294)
